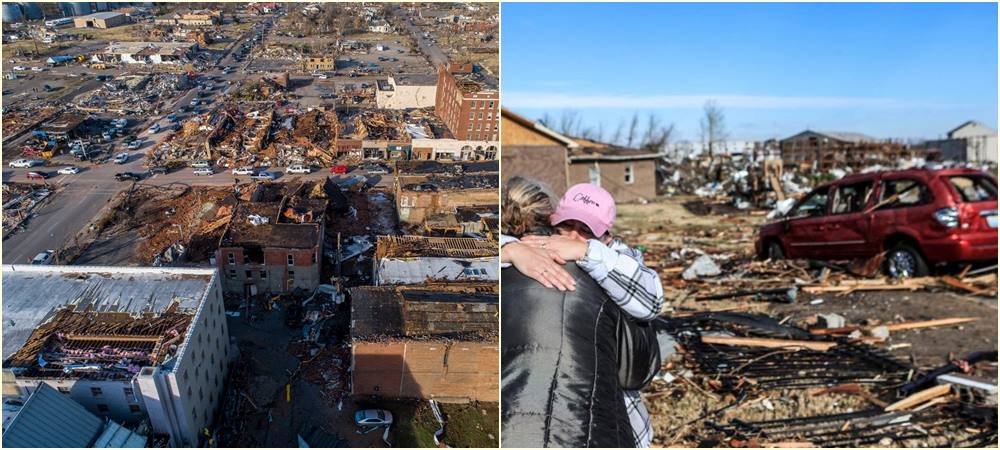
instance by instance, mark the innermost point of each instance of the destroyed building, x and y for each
(406, 91)
(324, 63)
(106, 19)
(431, 341)
(419, 259)
(424, 188)
(274, 242)
(147, 52)
(468, 100)
(127, 343)
(816, 150)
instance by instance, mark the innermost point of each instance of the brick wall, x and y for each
(413, 369)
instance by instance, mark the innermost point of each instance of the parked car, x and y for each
(154, 129)
(201, 164)
(264, 175)
(121, 158)
(920, 218)
(71, 170)
(128, 176)
(159, 170)
(38, 69)
(20, 68)
(25, 163)
(245, 170)
(204, 171)
(135, 144)
(37, 175)
(377, 171)
(372, 418)
(298, 168)
(43, 258)
(338, 169)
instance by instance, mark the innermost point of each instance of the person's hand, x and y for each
(567, 248)
(540, 265)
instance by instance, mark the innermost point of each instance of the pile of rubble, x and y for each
(17, 119)
(134, 94)
(19, 200)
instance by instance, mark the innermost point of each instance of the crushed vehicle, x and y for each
(920, 218)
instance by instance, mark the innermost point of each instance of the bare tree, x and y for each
(633, 128)
(713, 128)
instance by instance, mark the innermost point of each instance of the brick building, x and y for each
(628, 174)
(533, 151)
(428, 341)
(468, 101)
(425, 188)
(325, 63)
(273, 245)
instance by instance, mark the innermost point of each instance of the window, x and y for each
(629, 174)
(470, 126)
(134, 409)
(96, 392)
(129, 392)
(291, 259)
(851, 198)
(263, 274)
(974, 188)
(314, 257)
(595, 175)
(291, 275)
(480, 115)
(472, 115)
(249, 274)
(246, 258)
(102, 408)
(491, 105)
(232, 274)
(902, 193)
(231, 257)
(814, 205)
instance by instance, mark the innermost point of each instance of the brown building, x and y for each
(815, 150)
(533, 151)
(426, 188)
(101, 20)
(273, 243)
(315, 64)
(428, 341)
(468, 101)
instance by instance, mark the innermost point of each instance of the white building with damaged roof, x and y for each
(130, 344)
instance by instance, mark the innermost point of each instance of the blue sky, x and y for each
(899, 70)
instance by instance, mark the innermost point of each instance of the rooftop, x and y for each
(84, 300)
(466, 311)
(287, 227)
(101, 15)
(424, 246)
(417, 167)
(436, 182)
(166, 48)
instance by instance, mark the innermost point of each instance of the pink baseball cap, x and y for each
(589, 204)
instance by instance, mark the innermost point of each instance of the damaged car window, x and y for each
(974, 189)
(903, 192)
(851, 198)
(812, 206)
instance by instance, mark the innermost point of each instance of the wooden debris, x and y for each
(920, 397)
(895, 326)
(957, 283)
(768, 343)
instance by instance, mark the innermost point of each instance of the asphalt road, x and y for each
(427, 47)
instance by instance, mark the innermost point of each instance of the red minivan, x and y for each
(919, 217)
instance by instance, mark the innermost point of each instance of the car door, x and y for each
(847, 230)
(805, 223)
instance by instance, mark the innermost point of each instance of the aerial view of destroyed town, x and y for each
(250, 224)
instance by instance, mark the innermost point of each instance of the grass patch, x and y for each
(465, 424)
(122, 33)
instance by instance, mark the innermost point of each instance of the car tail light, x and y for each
(948, 217)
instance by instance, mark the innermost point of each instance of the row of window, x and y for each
(482, 104)
(231, 259)
(479, 126)
(489, 116)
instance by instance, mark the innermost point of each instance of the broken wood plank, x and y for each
(768, 343)
(956, 283)
(920, 397)
(895, 326)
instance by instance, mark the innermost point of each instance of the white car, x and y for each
(245, 170)
(43, 258)
(204, 171)
(69, 170)
(20, 68)
(38, 69)
(134, 144)
(372, 418)
(201, 164)
(24, 163)
(154, 129)
(121, 158)
(298, 168)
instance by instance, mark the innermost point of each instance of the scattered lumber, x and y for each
(768, 343)
(895, 326)
(920, 397)
(957, 283)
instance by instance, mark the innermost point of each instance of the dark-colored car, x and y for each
(159, 170)
(920, 218)
(37, 175)
(128, 176)
(339, 169)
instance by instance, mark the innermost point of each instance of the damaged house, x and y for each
(819, 150)
(468, 100)
(148, 52)
(419, 259)
(130, 344)
(429, 341)
(425, 188)
(274, 242)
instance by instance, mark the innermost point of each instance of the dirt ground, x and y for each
(676, 230)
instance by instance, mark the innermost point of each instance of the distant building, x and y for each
(628, 174)
(406, 92)
(191, 18)
(325, 63)
(52, 419)
(533, 151)
(420, 259)
(468, 101)
(426, 341)
(273, 246)
(127, 343)
(971, 141)
(824, 150)
(148, 52)
(101, 20)
(453, 150)
(425, 188)
(380, 26)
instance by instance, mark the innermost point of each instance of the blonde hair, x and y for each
(527, 206)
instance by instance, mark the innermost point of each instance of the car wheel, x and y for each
(905, 261)
(774, 251)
